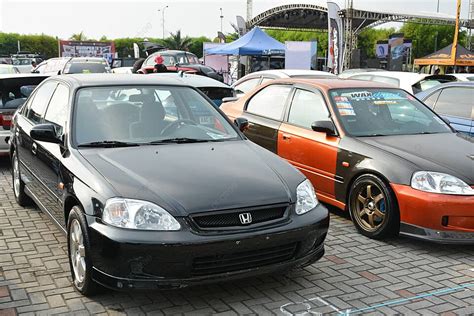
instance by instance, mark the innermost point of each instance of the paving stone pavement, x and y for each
(356, 276)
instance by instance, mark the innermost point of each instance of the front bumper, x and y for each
(127, 259)
(435, 217)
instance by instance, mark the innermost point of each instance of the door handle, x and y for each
(34, 148)
(286, 137)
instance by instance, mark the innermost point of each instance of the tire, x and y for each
(18, 185)
(373, 207)
(78, 252)
(137, 65)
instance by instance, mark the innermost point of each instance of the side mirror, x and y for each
(59, 72)
(242, 123)
(229, 99)
(324, 127)
(45, 133)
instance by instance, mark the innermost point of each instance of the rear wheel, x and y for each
(373, 207)
(79, 248)
(18, 186)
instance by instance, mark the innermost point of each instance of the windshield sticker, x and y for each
(388, 96)
(384, 102)
(345, 107)
(358, 95)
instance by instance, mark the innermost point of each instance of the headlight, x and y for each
(436, 182)
(306, 199)
(136, 214)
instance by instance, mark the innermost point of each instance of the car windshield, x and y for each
(382, 112)
(21, 61)
(86, 66)
(141, 115)
(7, 69)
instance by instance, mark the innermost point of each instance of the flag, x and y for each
(335, 40)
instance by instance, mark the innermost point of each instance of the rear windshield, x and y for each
(89, 66)
(217, 94)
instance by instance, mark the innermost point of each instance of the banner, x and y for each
(381, 48)
(397, 52)
(300, 55)
(335, 40)
(87, 49)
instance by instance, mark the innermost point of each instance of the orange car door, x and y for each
(313, 153)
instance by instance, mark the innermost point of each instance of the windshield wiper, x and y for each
(108, 143)
(179, 140)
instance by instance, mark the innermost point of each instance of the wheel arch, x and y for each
(69, 202)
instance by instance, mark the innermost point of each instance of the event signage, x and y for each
(335, 40)
(87, 49)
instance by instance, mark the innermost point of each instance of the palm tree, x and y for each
(175, 41)
(78, 36)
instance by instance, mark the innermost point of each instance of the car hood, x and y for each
(197, 177)
(447, 152)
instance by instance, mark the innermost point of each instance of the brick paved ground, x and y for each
(357, 274)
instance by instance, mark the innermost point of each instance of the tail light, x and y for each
(6, 120)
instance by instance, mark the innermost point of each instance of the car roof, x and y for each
(405, 76)
(327, 84)
(197, 81)
(282, 73)
(467, 84)
(111, 79)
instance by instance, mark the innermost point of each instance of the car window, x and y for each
(151, 114)
(431, 100)
(247, 85)
(58, 108)
(382, 112)
(306, 108)
(86, 66)
(456, 101)
(270, 101)
(41, 99)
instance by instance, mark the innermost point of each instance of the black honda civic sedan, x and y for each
(155, 188)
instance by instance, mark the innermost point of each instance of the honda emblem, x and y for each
(245, 218)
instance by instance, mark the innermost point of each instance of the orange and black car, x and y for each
(370, 149)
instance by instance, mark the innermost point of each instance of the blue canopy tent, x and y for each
(254, 43)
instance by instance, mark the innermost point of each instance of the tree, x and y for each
(175, 41)
(196, 46)
(369, 37)
(78, 36)
(426, 37)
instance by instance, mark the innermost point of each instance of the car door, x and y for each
(313, 153)
(264, 112)
(456, 104)
(53, 173)
(31, 115)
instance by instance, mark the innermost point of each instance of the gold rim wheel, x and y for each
(367, 208)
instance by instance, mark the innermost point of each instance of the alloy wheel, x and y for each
(370, 207)
(77, 252)
(16, 176)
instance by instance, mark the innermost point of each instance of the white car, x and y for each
(463, 77)
(409, 81)
(250, 81)
(122, 70)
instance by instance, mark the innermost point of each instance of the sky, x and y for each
(141, 18)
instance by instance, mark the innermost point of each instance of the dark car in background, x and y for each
(176, 60)
(150, 198)
(72, 65)
(454, 102)
(14, 89)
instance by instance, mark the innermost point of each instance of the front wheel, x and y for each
(373, 207)
(18, 186)
(79, 249)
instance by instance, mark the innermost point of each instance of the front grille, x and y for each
(243, 260)
(231, 218)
